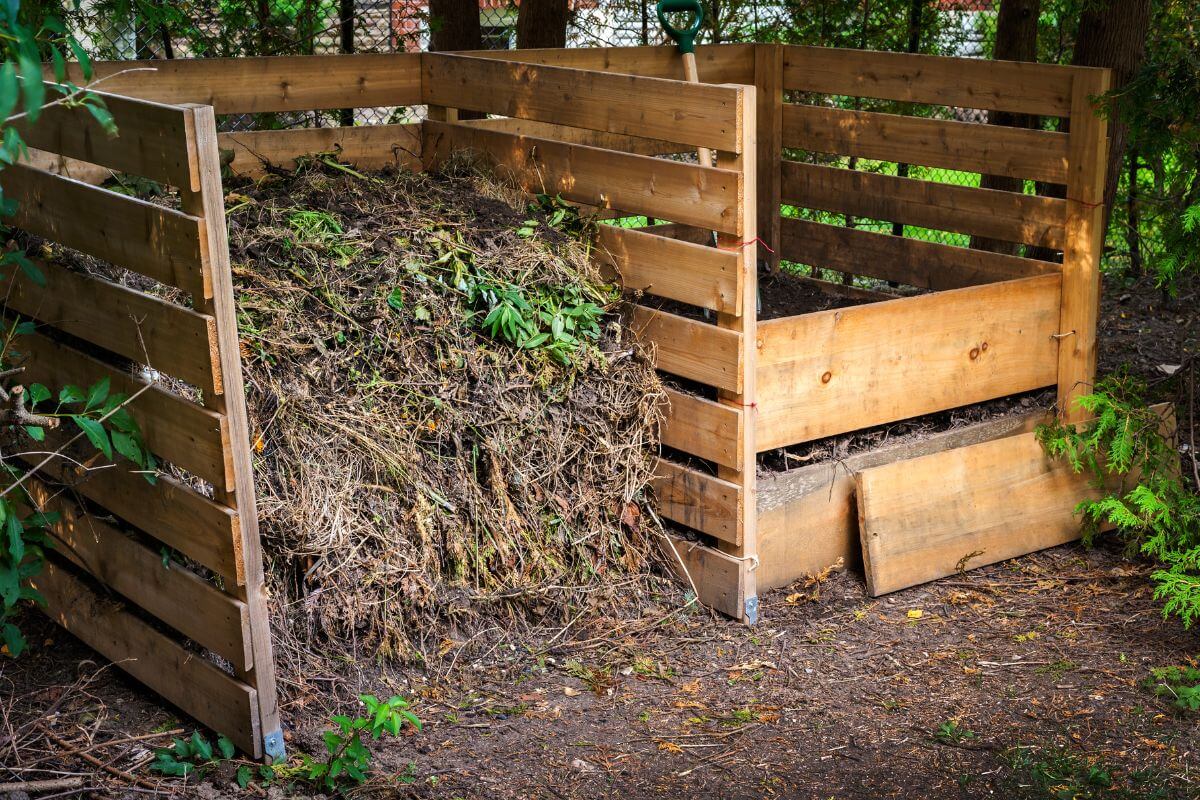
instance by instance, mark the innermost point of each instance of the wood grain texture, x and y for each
(261, 84)
(654, 108)
(703, 196)
(1012, 217)
(173, 594)
(768, 83)
(366, 147)
(703, 428)
(563, 133)
(177, 430)
(699, 500)
(173, 339)
(722, 63)
(962, 82)
(808, 517)
(691, 349)
(914, 262)
(194, 684)
(1084, 245)
(839, 370)
(716, 576)
(151, 240)
(152, 139)
(690, 273)
(972, 147)
(923, 518)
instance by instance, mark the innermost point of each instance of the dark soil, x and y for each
(1022, 679)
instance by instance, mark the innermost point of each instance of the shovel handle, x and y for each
(685, 38)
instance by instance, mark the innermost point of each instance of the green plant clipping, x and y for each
(347, 757)
(1126, 451)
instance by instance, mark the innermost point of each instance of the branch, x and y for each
(70, 96)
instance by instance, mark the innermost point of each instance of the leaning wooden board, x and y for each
(929, 517)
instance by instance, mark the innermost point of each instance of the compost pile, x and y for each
(451, 425)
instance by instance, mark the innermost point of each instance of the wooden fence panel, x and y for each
(367, 147)
(698, 500)
(690, 273)
(690, 349)
(703, 428)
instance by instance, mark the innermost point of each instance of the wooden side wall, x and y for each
(114, 523)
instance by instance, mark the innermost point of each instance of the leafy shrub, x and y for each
(1180, 684)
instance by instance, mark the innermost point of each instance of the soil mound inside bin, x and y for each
(420, 473)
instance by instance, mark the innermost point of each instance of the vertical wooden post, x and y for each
(768, 84)
(746, 324)
(207, 201)
(1087, 154)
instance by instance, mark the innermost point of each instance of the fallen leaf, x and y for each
(570, 691)
(915, 613)
(670, 747)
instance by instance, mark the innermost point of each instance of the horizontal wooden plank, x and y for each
(716, 576)
(972, 147)
(655, 108)
(929, 517)
(157, 242)
(914, 262)
(691, 349)
(178, 431)
(834, 371)
(564, 133)
(261, 84)
(67, 167)
(192, 683)
(962, 82)
(1012, 217)
(173, 594)
(169, 511)
(698, 500)
(175, 340)
(365, 146)
(808, 517)
(690, 273)
(684, 233)
(703, 428)
(152, 141)
(722, 63)
(703, 196)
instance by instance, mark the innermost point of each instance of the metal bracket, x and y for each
(273, 749)
(751, 610)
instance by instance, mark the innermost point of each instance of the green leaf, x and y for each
(38, 393)
(14, 529)
(97, 394)
(128, 446)
(9, 90)
(395, 299)
(200, 746)
(71, 394)
(85, 63)
(12, 639)
(38, 434)
(101, 114)
(95, 433)
(226, 747)
(244, 773)
(60, 64)
(32, 271)
(33, 90)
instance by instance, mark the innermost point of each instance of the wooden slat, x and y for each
(928, 517)
(154, 241)
(181, 676)
(690, 273)
(1029, 219)
(962, 82)
(697, 500)
(255, 85)
(564, 133)
(1084, 245)
(152, 138)
(768, 82)
(690, 349)
(808, 517)
(972, 147)
(173, 594)
(366, 146)
(716, 576)
(684, 233)
(914, 262)
(177, 430)
(702, 196)
(174, 514)
(723, 63)
(703, 428)
(654, 108)
(175, 340)
(840, 370)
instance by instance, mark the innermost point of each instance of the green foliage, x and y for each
(195, 755)
(321, 229)
(950, 732)
(1179, 684)
(1053, 773)
(347, 757)
(1126, 453)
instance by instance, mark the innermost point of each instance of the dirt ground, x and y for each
(1023, 679)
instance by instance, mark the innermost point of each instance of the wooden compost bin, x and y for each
(588, 124)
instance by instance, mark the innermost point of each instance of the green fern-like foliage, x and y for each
(1127, 450)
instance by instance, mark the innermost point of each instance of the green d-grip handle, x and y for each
(685, 38)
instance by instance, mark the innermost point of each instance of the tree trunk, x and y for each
(1133, 232)
(1112, 33)
(346, 20)
(1016, 40)
(454, 25)
(542, 23)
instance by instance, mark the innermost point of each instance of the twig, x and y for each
(95, 762)
(126, 740)
(42, 786)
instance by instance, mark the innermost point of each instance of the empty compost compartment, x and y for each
(962, 325)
